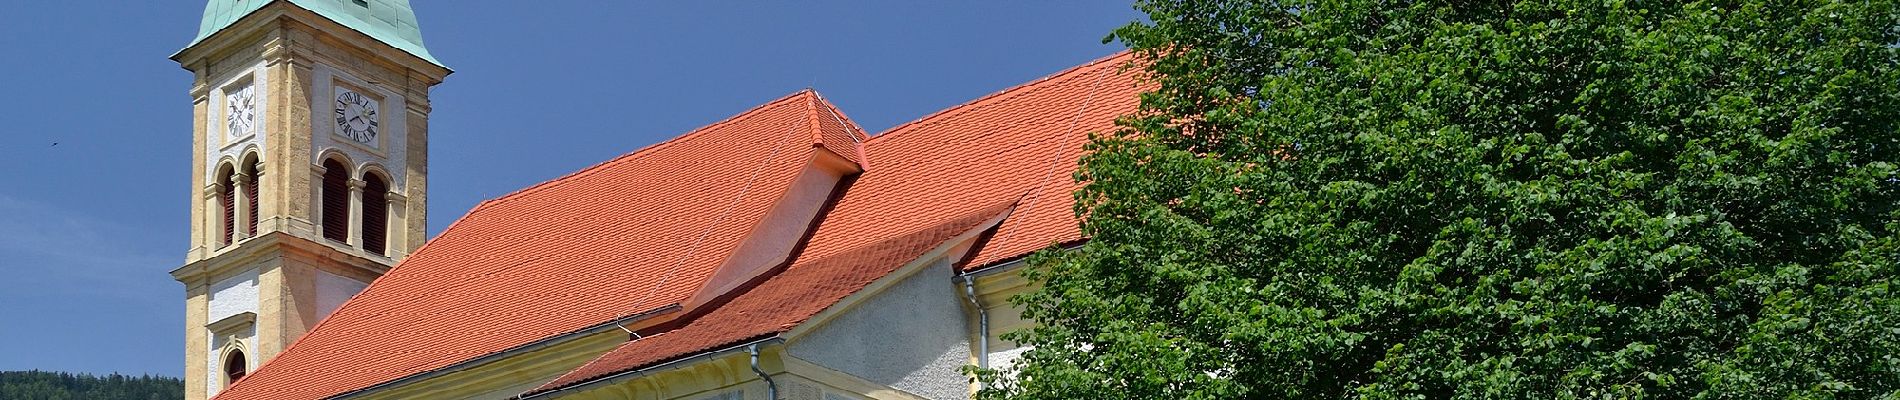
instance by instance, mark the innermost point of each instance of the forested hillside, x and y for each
(43, 385)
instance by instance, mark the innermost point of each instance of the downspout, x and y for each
(983, 327)
(771, 388)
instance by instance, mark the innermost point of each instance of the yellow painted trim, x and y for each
(843, 381)
(994, 290)
(502, 376)
(688, 380)
(513, 374)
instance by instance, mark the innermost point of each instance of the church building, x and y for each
(780, 253)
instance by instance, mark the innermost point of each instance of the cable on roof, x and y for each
(1054, 160)
(833, 112)
(631, 335)
(730, 206)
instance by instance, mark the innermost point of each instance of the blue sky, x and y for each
(90, 227)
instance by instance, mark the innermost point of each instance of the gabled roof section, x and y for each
(1014, 151)
(636, 233)
(792, 217)
(786, 299)
(391, 22)
(832, 131)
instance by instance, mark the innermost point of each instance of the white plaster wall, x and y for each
(229, 297)
(212, 369)
(392, 151)
(910, 337)
(233, 295)
(219, 145)
(212, 380)
(333, 290)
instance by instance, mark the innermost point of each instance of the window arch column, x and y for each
(398, 236)
(356, 218)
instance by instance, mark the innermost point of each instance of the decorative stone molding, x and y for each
(234, 321)
(276, 51)
(200, 82)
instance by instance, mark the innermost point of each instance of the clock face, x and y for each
(356, 116)
(240, 113)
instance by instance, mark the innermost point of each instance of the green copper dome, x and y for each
(389, 21)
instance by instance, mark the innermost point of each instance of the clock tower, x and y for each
(309, 170)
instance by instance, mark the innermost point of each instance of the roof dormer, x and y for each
(836, 154)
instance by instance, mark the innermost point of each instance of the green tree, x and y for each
(1486, 200)
(45, 385)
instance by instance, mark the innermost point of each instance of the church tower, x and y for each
(309, 170)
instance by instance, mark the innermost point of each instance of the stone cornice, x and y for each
(230, 259)
(225, 325)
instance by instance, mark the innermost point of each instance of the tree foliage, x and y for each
(46, 385)
(1486, 200)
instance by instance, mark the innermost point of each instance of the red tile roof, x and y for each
(645, 230)
(1022, 142)
(784, 300)
(636, 233)
(832, 131)
(928, 180)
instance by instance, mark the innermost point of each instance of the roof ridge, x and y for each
(852, 147)
(636, 153)
(1000, 94)
(811, 116)
(851, 127)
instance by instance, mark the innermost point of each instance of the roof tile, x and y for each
(635, 233)
(1016, 148)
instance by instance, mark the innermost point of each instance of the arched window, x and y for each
(234, 367)
(227, 203)
(375, 213)
(250, 194)
(336, 201)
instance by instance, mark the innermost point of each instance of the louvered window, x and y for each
(375, 213)
(227, 202)
(336, 201)
(251, 200)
